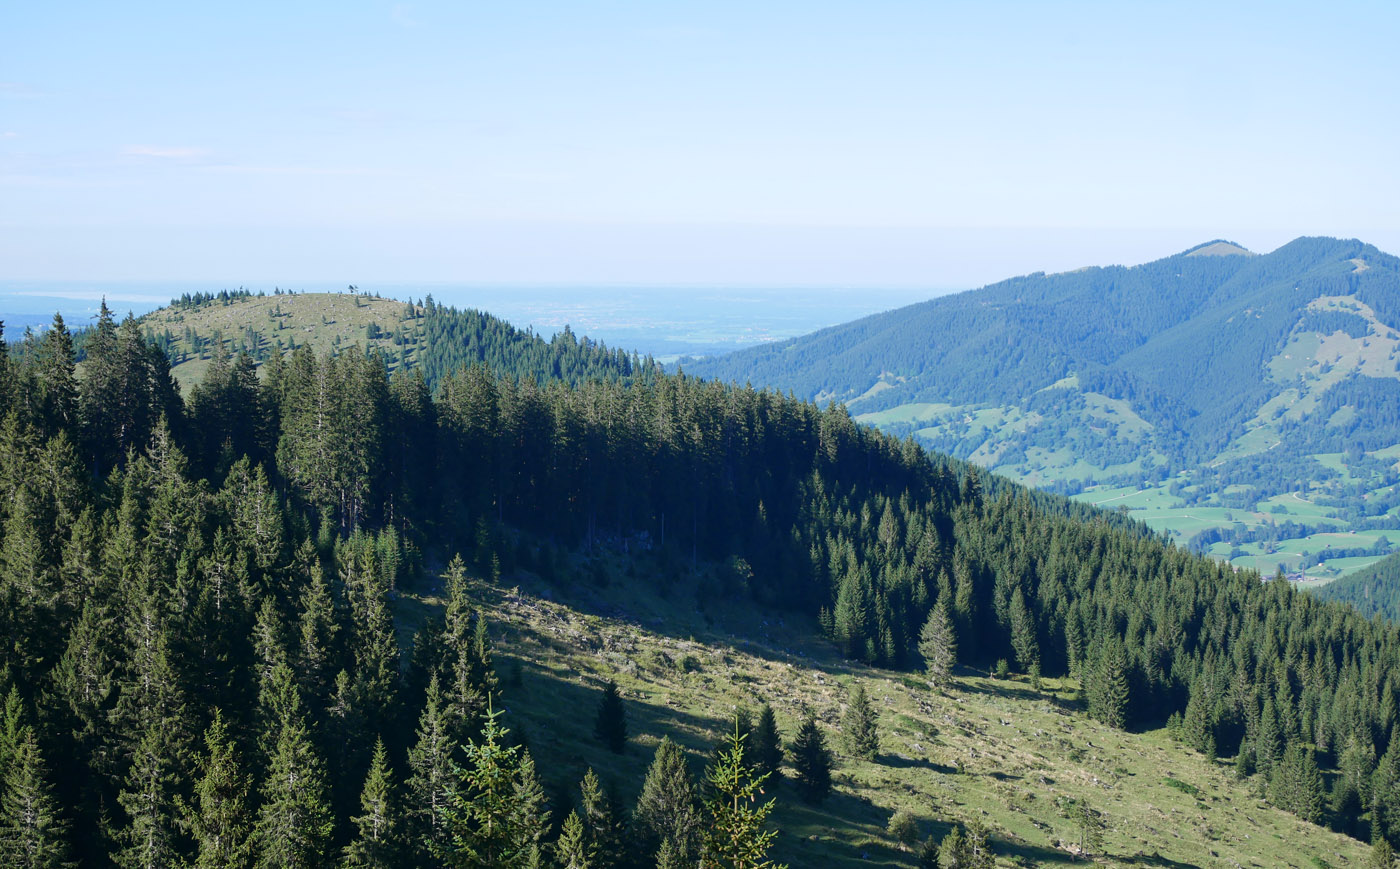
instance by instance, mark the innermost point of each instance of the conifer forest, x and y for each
(201, 662)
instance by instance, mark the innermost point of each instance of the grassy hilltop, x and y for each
(260, 324)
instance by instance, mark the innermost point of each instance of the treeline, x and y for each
(162, 561)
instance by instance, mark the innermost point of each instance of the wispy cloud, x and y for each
(163, 152)
(94, 296)
(9, 134)
(402, 15)
(17, 90)
(288, 170)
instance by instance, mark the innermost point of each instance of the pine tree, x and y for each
(376, 843)
(859, 729)
(32, 833)
(610, 728)
(767, 750)
(938, 643)
(811, 761)
(219, 818)
(667, 811)
(904, 828)
(735, 822)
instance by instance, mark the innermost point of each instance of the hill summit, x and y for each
(1219, 248)
(1260, 386)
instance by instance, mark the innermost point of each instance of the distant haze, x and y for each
(883, 144)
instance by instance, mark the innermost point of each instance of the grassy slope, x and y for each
(317, 319)
(1022, 752)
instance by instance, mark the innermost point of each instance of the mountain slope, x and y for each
(1002, 751)
(1235, 369)
(1375, 590)
(770, 549)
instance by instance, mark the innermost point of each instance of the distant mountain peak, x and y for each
(1219, 247)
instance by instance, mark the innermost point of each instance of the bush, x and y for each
(904, 829)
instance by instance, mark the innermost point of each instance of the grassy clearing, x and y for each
(320, 320)
(999, 750)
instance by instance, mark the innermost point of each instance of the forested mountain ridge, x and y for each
(1218, 378)
(206, 638)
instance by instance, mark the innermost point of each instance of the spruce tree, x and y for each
(530, 814)
(610, 727)
(1385, 795)
(811, 761)
(56, 377)
(1023, 632)
(481, 808)
(33, 835)
(606, 835)
(1108, 692)
(667, 811)
(953, 853)
(938, 644)
(735, 824)
(148, 798)
(860, 734)
(979, 848)
(1295, 784)
(431, 779)
(1382, 856)
(767, 749)
(571, 851)
(376, 842)
(1089, 823)
(294, 825)
(219, 819)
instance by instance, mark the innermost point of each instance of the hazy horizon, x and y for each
(890, 145)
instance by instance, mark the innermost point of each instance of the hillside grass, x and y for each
(1003, 751)
(322, 321)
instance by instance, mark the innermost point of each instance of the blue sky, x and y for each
(932, 145)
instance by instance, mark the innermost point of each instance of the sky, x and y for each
(928, 145)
